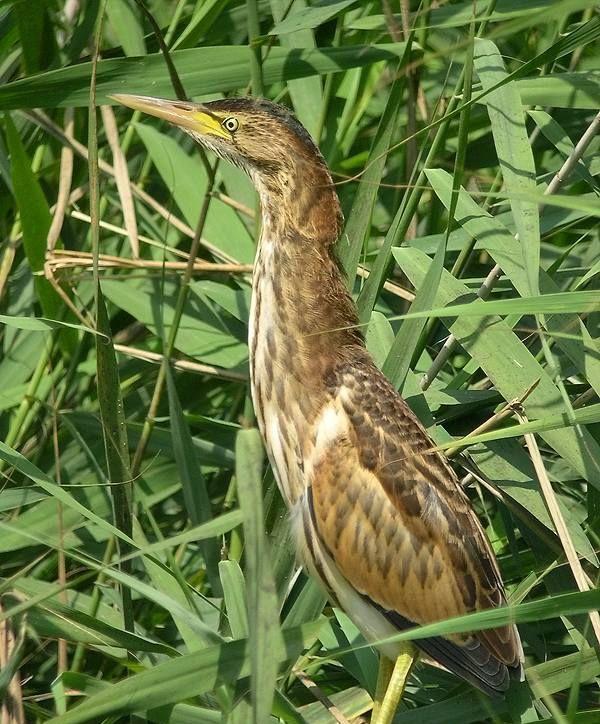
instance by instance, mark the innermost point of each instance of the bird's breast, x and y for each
(279, 403)
(287, 381)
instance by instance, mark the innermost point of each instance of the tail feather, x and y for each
(473, 661)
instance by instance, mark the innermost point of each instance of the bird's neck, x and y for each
(302, 323)
(301, 306)
(301, 200)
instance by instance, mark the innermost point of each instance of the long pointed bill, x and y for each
(190, 116)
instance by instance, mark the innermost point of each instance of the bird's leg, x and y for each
(384, 676)
(391, 681)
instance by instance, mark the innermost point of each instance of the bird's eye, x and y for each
(230, 124)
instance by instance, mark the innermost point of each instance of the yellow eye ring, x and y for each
(231, 124)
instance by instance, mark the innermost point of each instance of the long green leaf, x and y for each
(35, 220)
(192, 481)
(263, 611)
(40, 324)
(182, 678)
(202, 70)
(311, 17)
(359, 220)
(514, 152)
(540, 610)
(557, 303)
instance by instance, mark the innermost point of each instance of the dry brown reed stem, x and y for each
(488, 284)
(582, 580)
(320, 696)
(182, 364)
(121, 178)
(49, 275)
(12, 706)
(391, 287)
(505, 411)
(68, 259)
(59, 261)
(8, 257)
(65, 179)
(80, 216)
(237, 205)
(584, 398)
(59, 210)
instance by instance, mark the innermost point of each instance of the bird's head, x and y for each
(262, 138)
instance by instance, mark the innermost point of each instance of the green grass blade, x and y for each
(398, 360)
(514, 152)
(539, 610)
(40, 324)
(359, 220)
(263, 610)
(202, 70)
(126, 25)
(192, 481)
(557, 303)
(35, 222)
(31, 471)
(307, 18)
(182, 678)
(236, 602)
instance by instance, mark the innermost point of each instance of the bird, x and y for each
(378, 515)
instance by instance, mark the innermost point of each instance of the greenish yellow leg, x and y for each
(391, 681)
(384, 675)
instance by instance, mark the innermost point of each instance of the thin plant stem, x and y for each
(62, 663)
(170, 343)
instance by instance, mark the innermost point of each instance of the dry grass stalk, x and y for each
(582, 580)
(8, 257)
(235, 268)
(12, 706)
(505, 411)
(69, 259)
(321, 697)
(80, 216)
(237, 205)
(181, 364)
(122, 179)
(65, 179)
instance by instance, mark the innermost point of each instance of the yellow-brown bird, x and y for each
(378, 515)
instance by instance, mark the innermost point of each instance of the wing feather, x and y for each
(393, 517)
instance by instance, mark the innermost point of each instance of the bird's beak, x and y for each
(186, 115)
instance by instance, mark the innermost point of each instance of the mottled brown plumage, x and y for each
(379, 516)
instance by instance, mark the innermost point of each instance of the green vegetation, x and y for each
(137, 580)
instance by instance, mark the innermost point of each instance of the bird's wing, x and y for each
(391, 514)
